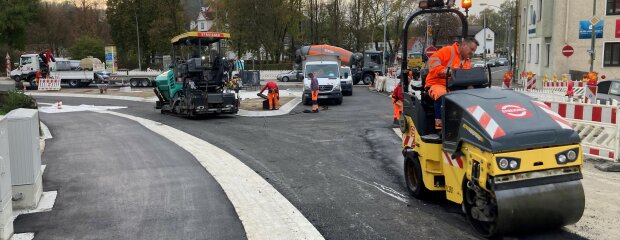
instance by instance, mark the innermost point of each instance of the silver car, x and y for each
(293, 75)
(502, 61)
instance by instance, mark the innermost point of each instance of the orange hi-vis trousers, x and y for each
(272, 97)
(398, 108)
(315, 99)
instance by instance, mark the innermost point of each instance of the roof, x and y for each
(412, 41)
(206, 37)
(472, 30)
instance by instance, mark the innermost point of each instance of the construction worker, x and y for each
(314, 87)
(454, 56)
(273, 95)
(397, 101)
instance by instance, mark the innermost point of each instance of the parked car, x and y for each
(492, 63)
(502, 61)
(293, 75)
(479, 64)
(608, 90)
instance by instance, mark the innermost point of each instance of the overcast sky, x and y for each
(476, 8)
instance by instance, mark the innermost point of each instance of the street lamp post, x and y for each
(384, 34)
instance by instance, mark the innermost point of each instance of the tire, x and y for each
(339, 101)
(145, 82)
(74, 83)
(17, 78)
(485, 229)
(413, 177)
(368, 79)
(356, 82)
(285, 79)
(134, 83)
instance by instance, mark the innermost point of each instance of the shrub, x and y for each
(14, 100)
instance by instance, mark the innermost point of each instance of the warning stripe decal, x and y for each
(556, 117)
(485, 120)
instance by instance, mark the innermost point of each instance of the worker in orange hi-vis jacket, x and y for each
(273, 96)
(397, 101)
(314, 87)
(448, 57)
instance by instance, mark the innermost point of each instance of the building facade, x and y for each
(546, 27)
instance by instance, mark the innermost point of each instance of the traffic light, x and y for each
(466, 4)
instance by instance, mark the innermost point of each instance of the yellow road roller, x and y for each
(511, 162)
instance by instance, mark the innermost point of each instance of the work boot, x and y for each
(315, 111)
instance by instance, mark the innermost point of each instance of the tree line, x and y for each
(269, 29)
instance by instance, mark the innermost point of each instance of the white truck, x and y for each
(29, 64)
(327, 70)
(134, 78)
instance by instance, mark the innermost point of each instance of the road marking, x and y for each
(387, 190)
(23, 236)
(53, 108)
(46, 131)
(263, 211)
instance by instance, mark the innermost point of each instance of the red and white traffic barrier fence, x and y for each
(49, 84)
(596, 124)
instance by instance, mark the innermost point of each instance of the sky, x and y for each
(476, 8)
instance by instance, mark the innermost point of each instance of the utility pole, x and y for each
(484, 39)
(515, 46)
(385, 34)
(592, 53)
(138, 34)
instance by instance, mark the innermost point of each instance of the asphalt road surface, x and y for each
(342, 168)
(118, 180)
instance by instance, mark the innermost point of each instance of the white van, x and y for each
(327, 71)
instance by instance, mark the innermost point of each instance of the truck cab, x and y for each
(346, 81)
(327, 70)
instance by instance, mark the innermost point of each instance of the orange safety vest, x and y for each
(447, 56)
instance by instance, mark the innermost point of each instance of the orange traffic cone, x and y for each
(59, 104)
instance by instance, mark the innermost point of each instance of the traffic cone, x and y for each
(59, 104)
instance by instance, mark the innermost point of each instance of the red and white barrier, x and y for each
(49, 84)
(597, 126)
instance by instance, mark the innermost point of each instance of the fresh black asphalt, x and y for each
(342, 167)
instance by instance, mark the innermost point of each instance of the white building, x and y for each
(486, 38)
(546, 27)
(204, 21)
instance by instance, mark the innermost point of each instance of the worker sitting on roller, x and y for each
(454, 56)
(273, 95)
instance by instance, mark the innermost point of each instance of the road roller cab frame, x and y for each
(511, 162)
(197, 85)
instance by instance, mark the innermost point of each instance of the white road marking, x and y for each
(264, 212)
(387, 190)
(53, 108)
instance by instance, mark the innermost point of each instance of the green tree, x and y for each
(88, 46)
(15, 15)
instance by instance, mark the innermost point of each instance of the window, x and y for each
(539, 10)
(612, 54)
(202, 26)
(613, 7)
(537, 53)
(523, 18)
(522, 56)
(548, 54)
(529, 53)
(615, 88)
(603, 87)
